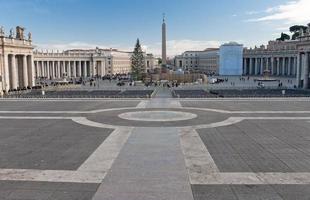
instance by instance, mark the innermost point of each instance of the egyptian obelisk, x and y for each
(164, 43)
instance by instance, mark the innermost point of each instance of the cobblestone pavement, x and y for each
(160, 148)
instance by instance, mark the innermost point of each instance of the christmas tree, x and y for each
(137, 62)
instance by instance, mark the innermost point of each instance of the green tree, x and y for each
(137, 62)
(284, 37)
(296, 31)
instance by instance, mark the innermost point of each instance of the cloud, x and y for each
(174, 47)
(293, 12)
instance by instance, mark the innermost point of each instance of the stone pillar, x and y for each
(283, 66)
(69, 69)
(74, 69)
(255, 66)
(103, 72)
(31, 72)
(298, 70)
(251, 66)
(48, 74)
(42, 68)
(58, 69)
(306, 67)
(14, 72)
(289, 67)
(278, 66)
(94, 69)
(85, 69)
(272, 66)
(78, 69)
(37, 69)
(295, 66)
(6, 77)
(261, 66)
(25, 72)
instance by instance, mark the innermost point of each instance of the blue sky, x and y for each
(192, 24)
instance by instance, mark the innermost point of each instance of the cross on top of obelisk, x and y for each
(164, 17)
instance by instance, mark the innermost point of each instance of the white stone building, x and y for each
(86, 63)
(16, 60)
(281, 58)
(206, 61)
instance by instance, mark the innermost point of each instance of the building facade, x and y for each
(278, 58)
(86, 63)
(206, 61)
(16, 60)
(20, 65)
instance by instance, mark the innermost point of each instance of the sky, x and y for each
(191, 24)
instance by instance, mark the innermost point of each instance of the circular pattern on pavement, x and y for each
(174, 117)
(157, 116)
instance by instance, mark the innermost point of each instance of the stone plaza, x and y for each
(159, 148)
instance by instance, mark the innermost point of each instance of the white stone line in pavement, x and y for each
(103, 157)
(84, 121)
(270, 112)
(227, 122)
(34, 117)
(51, 176)
(197, 157)
(235, 120)
(208, 110)
(67, 112)
(247, 112)
(249, 178)
(143, 104)
(157, 116)
(93, 170)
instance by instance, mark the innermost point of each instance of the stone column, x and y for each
(42, 68)
(47, 69)
(78, 69)
(74, 69)
(69, 69)
(283, 66)
(52, 69)
(295, 66)
(298, 70)
(261, 66)
(31, 77)
(278, 66)
(14, 72)
(251, 66)
(85, 69)
(6, 77)
(306, 67)
(25, 72)
(94, 69)
(289, 67)
(103, 72)
(272, 65)
(37, 69)
(255, 66)
(58, 69)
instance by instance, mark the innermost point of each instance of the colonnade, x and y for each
(55, 69)
(18, 71)
(277, 66)
(303, 65)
